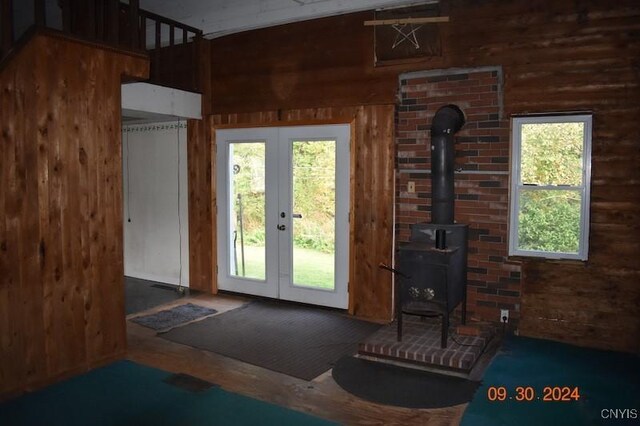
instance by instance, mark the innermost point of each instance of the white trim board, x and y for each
(142, 99)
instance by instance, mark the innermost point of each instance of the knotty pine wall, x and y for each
(61, 263)
(201, 181)
(202, 203)
(556, 56)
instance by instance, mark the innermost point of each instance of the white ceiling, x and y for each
(220, 17)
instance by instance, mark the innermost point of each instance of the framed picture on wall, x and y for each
(409, 39)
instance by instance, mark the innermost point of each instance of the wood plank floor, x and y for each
(321, 397)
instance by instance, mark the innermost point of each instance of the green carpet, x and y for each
(606, 380)
(126, 393)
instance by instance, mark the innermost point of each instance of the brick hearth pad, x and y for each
(421, 345)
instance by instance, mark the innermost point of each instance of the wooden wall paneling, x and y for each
(113, 290)
(386, 202)
(362, 267)
(320, 63)
(11, 341)
(202, 250)
(17, 186)
(201, 160)
(90, 213)
(202, 78)
(100, 338)
(5, 282)
(213, 205)
(177, 66)
(581, 304)
(89, 210)
(91, 158)
(61, 291)
(36, 219)
(559, 56)
(373, 211)
(60, 324)
(355, 185)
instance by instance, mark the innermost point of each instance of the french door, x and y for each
(283, 212)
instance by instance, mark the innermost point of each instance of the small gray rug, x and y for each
(167, 319)
(299, 341)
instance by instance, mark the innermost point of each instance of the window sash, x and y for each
(517, 186)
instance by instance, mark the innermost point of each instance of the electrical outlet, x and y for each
(411, 187)
(504, 315)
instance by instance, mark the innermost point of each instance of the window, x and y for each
(550, 181)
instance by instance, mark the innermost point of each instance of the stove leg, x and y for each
(445, 330)
(399, 336)
(464, 310)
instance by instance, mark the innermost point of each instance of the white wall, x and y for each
(150, 171)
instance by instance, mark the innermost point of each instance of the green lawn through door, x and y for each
(313, 268)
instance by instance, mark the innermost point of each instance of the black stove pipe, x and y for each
(447, 121)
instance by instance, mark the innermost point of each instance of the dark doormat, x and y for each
(169, 318)
(295, 340)
(399, 386)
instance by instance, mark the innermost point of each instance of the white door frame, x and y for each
(227, 281)
(278, 143)
(338, 297)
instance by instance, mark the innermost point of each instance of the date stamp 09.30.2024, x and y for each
(530, 393)
(566, 394)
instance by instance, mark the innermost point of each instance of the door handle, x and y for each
(281, 227)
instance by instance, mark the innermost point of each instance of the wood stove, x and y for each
(435, 279)
(433, 265)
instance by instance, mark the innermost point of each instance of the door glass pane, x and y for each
(313, 214)
(549, 220)
(247, 209)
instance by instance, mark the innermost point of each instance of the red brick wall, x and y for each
(481, 185)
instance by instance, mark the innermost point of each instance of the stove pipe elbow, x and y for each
(447, 121)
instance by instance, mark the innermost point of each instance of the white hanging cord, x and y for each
(128, 180)
(180, 289)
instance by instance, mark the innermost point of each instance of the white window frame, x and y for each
(517, 186)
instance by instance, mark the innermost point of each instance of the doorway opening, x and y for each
(155, 193)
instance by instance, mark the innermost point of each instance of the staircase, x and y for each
(171, 45)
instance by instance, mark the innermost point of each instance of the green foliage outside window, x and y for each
(313, 190)
(551, 155)
(314, 166)
(549, 221)
(248, 188)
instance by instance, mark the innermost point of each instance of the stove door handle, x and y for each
(395, 271)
